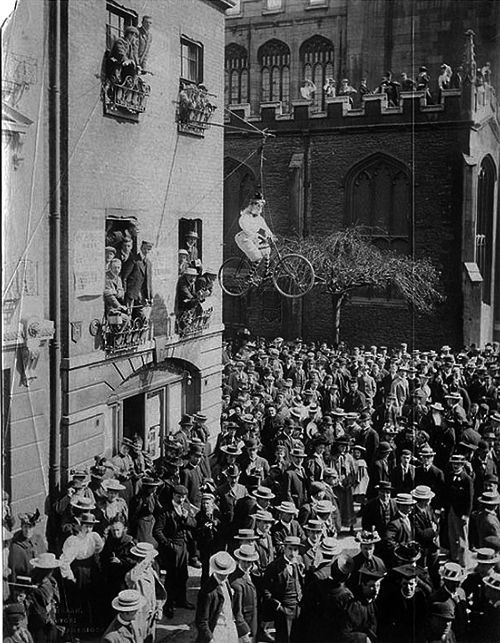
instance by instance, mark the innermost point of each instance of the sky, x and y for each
(6, 7)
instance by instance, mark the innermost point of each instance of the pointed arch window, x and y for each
(236, 74)
(484, 223)
(274, 61)
(317, 60)
(378, 198)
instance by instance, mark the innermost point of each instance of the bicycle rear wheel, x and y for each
(293, 276)
(234, 276)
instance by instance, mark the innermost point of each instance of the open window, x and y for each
(117, 19)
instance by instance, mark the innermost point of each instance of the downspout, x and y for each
(54, 39)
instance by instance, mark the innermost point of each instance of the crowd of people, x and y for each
(392, 88)
(351, 496)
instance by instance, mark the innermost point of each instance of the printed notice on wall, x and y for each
(88, 263)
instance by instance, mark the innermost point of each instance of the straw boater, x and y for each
(124, 627)
(245, 600)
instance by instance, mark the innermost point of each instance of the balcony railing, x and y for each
(119, 336)
(127, 99)
(194, 109)
(193, 322)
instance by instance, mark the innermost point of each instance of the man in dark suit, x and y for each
(186, 298)
(214, 600)
(192, 475)
(228, 495)
(282, 585)
(244, 592)
(400, 530)
(367, 437)
(122, 59)
(426, 525)
(459, 495)
(380, 471)
(139, 282)
(429, 475)
(286, 525)
(403, 474)
(379, 512)
(172, 532)
(487, 524)
(296, 481)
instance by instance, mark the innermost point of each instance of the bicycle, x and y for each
(292, 274)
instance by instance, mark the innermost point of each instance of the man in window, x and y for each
(145, 39)
(255, 233)
(123, 56)
(139, 288)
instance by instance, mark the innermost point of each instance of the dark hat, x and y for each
(88, 518)
(233, 471)
(186, 419)
(181, 490)
(14, 612)
(407, 571)
(444, 610)
(196, 449)
(150, 482)
(371, 573)
(384, 447)
(409, 552)
(385, 485)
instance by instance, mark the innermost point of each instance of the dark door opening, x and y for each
(133, 416)
(6, 435)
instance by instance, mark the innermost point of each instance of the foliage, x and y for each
(346, 260)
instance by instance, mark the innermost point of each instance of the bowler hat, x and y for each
(186, 420)
(181, 490)
(384, 447)
(384, 485)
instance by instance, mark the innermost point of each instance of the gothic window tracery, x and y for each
(236, 74)
(274, 60)
(484, 223)
(317, 60)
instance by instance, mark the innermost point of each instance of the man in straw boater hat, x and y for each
(144, 578)
(286, 525)
(485, 560)
(44, 599)
(451, 592)
(426, 524)
(488, 625)
(215, 619)
(282, 585)
(124, 627)
(245, 599)
(486, 522)
(458, 499)
(429, 475)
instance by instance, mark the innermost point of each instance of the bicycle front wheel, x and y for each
(234, 276)
(293, 276)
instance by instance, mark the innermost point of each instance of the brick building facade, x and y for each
(100, 158)
(326, 165)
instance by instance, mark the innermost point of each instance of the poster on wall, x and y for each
(152, 439)
(153, 447)
(88, 263)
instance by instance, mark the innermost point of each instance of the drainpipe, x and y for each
(54, 20)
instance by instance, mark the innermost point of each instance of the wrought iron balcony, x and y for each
(119, 335)
(193, 322)
(127, 99)
(194, 109)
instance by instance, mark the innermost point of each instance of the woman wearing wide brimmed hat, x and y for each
(79, 568)
(25, 545)
(215, 620)
(44, 599)
(343, 463)
(111, 506)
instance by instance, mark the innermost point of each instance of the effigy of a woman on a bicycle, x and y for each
(292, 274)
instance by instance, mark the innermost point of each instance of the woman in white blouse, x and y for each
(79, 567)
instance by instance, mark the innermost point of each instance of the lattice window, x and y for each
(378, 191)
(236, 70)
(317, 59)
(484, 223)
(274, 60)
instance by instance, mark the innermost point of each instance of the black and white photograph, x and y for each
(250, 367)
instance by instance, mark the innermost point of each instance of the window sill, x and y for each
(272, 12)
(311, 7)
(233, 15)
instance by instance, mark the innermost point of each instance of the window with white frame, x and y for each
(191, 60)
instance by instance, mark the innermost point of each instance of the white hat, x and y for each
(144, 550)
(129, 600)
(45, 561)
(222, 563)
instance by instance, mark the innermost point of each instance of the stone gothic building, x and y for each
(420, 172)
